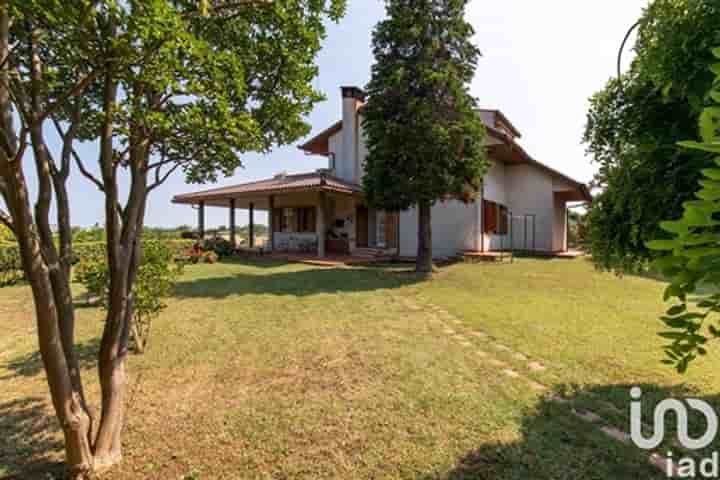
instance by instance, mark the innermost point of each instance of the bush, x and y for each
(219, 245)
(11, 271)
(211, 257)
(156, 278)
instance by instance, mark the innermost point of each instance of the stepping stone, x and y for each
(616, 434)
(587, 415)
(511, 373)
(478, 334)
(537, 386)
(520, 356)
(536, 367)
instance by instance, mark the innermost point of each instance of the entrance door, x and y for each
(361, 234)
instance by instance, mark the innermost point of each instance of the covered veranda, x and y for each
(307, 213)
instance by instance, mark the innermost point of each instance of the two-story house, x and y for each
(523, 203)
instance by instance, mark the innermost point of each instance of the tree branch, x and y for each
(6, 220)
(76, 90)
(159, 180)
(86, 173)
(68, 137)
(214, 9)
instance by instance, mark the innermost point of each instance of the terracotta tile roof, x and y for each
(277, 184)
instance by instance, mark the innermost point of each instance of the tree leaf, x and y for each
(713, 147)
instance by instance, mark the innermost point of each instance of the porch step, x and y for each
(369, 252)
(470, 256)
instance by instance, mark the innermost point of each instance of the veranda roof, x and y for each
(279, 184)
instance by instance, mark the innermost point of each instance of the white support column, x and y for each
(252, 225)
(233, 238)
(320, 224)
(201, 220)
(271, 233)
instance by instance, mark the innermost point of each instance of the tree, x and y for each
(424, 134)
(634, 125)
(157, 274)
(159, 85)
(692, 252)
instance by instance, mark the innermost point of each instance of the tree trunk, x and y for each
(50, 291)
(424, 254)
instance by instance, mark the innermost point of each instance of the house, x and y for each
(522, 205)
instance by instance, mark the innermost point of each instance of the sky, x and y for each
(541, 63)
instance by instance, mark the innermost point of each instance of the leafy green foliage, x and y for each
(221, 246)
(11, 271)
(155, 281)
(6, 235)
(692, 253)
(424, 134)
(635, 123)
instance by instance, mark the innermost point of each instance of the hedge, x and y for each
(11, 266)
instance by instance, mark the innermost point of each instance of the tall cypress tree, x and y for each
(424, 133)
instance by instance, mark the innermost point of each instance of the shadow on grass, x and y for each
(556, 444)
(30, 364)
(296, 283)
(27, 436)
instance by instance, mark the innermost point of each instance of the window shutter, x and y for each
(490, 214)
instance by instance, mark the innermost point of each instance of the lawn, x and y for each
(269, 370)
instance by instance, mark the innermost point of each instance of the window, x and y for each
(306, 219)
(294, 220)
(288, 215)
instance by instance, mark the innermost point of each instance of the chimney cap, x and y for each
(353, 92)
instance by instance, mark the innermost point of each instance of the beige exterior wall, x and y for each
(454, 229)
(525, 189)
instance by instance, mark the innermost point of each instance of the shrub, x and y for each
(210, 257)
(219, 245)
(10, 265)
(156, 278)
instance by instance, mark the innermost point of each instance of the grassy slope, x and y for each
(277, 371)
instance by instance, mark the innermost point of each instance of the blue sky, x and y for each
(541, 62)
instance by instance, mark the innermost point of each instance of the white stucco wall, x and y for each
(530, 191)
(454, 229)
(335, 145)
(362, 150)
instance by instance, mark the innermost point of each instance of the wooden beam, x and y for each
(232, 223)
(252, 225)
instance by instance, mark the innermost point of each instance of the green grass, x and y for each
(269, 370)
